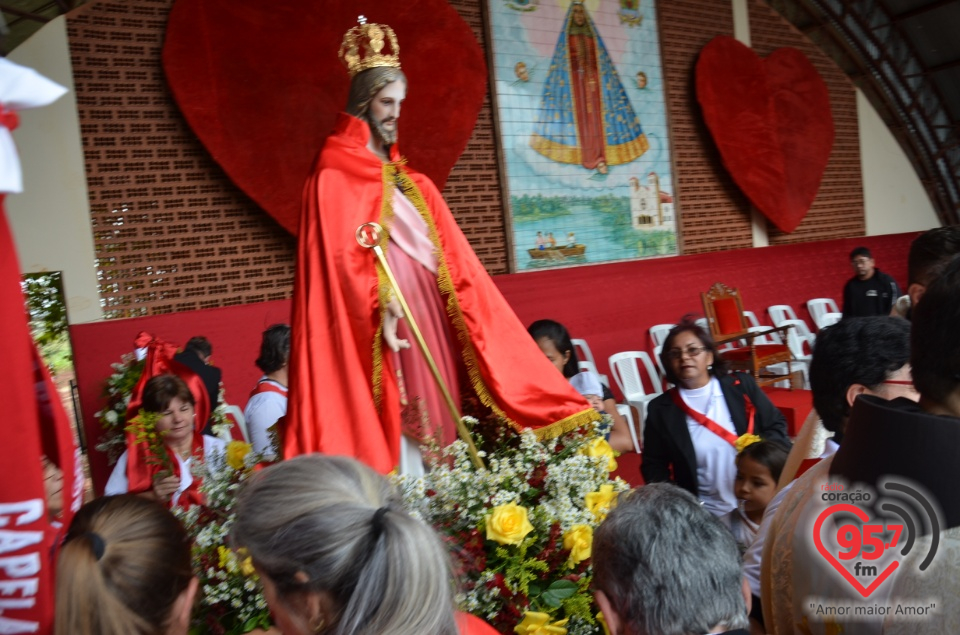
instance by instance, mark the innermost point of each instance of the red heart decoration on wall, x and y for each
(772, 123)
(260, 84)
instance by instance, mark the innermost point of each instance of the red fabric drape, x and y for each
(34, 423)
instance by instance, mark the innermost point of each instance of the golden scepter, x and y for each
(369, 236)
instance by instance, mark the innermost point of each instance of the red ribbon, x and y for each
(9, 119)
(709, 423)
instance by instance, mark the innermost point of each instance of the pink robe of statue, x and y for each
(414, 264)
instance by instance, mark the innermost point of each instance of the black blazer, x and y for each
(666, 438)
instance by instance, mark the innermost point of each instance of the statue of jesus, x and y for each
(357, 387)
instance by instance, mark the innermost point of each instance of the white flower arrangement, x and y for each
(231, 601)
(553, 489)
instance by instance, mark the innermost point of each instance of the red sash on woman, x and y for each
(709, 423)
(159, 361)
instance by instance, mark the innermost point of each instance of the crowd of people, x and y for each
(714, 542)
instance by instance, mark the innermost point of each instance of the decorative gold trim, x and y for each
(445, 286)
(566, 425)
(384, 292)
(396, 177)
(559, 152)
(616, 155)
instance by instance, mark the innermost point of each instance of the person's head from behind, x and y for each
(200, 346)
(376, 95)
(169, 396)
(554, 341)
(862, 262)
(663, 565)
(929, 255)
(759, 466)
(859, 356)
(588, 385)
(337, 553)
(935, 344)
(689, 355)
(274, 348)
(124, 569)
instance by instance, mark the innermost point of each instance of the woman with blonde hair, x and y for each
(124, 569)
(337, 553)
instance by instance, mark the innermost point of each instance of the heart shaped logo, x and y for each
(260, 84)
(853, 538)
(772, 123)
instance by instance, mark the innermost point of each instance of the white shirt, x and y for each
(262, 411)
(118, 483)
(716, 458)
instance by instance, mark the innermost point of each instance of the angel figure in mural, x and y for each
(585, 116)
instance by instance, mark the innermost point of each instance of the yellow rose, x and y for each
(600, 447)
(539, 624)
(579, 540)
(236, 452)
(601, 502)
(508, 524)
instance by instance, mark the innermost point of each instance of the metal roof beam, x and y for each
(23, 14)
(924, 8)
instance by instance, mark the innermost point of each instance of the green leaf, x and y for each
(557, 592)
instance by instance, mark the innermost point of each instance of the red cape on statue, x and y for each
(344, 398)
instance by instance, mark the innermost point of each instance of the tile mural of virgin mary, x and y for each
(582, 131)
(585, 116)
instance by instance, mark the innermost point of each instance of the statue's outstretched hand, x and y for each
(390, 319)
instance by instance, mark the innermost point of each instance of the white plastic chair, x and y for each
(585, 360)
(237, 414)
(627, 412)
(627, 374)
(658, 333)
(656, 358)
(829, 319)
(795, 342)
(780, 312)
(819, 307)
(751, 317)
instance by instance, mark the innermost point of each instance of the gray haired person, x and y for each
(337, 553)
(663, 565)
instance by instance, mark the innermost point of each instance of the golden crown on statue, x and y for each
(363, 47)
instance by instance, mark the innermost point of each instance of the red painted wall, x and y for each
(611, 306)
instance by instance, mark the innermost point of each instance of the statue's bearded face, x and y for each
(384, 112)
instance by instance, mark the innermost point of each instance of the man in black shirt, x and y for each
(870, 291)
(196, 356)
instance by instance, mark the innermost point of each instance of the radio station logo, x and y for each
(867, 540)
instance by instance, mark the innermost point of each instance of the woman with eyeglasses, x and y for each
(691, 431)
